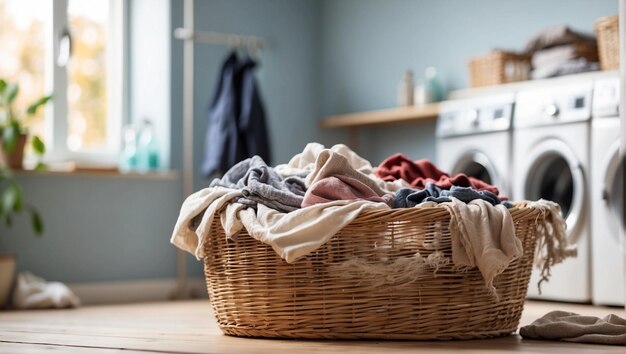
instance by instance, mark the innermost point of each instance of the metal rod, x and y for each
(186, 33)
(232, 40)
(181, 265)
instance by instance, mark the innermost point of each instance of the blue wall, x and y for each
(324, 57)
(97, 228)
(366, 45)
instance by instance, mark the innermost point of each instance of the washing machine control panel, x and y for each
(606, 98)
(476, 115)
(553, 105)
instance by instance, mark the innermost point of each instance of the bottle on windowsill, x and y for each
(148, 149)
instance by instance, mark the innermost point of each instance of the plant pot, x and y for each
(7, 270)
(15, 158)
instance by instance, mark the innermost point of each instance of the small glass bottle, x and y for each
(405, 90)
(128, 157)
(148, 149)
(434, 87)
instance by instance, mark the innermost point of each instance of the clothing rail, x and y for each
(226, 39)
(189, 36)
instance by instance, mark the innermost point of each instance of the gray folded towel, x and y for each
(572, 327)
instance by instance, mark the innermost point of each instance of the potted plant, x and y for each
(14, 133)
(13, 136)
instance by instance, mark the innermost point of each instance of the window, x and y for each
(74, 49)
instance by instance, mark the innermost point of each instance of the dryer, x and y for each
(551, 152)
(608, 276)
(474, 137)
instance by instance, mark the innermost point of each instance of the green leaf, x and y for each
(3, 85)
(10, 135)
(32, 109)
(37, 222)
(41, 166)
(38, 146)
(10, 92)
(5, 173)
(12, 198)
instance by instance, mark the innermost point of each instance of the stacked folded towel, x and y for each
(561, 51)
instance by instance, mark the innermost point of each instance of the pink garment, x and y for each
(420, 172)
(339, 187)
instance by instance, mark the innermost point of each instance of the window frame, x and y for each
(56, 81)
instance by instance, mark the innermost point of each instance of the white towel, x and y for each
(33, 292)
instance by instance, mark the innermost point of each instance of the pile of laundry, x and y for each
(561, 51)
(297, 207)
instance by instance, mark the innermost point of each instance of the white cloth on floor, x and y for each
(33, 292)
(482, 235)
(572, 327)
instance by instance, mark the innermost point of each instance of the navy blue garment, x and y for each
(252, 116)
(236, 119)
(408, 198)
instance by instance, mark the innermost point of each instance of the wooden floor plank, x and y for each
(189, 327)
(26, 348)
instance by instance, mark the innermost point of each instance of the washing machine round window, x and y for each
(555, 174)
(476, 164)
(612, 190)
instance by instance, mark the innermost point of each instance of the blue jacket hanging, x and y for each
(236, 119)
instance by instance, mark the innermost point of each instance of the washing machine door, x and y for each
(612, 191)
(554, 173)
(476, 164)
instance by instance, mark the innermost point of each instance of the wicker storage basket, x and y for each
(498, 67)
(607, 30)
(255, 293)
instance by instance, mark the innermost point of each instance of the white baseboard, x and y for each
(114, 292)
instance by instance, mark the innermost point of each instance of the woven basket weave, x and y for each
(255, 293)
(607, 29)
(498, 67)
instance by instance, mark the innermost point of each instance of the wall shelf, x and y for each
(385, 116)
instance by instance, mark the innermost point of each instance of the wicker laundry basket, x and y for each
(498, 67)
(607, 29)
(255, 293)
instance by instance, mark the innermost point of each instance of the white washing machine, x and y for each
(474, 137)
(551, 152)
(608, 278)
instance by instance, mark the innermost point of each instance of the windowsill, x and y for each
(165, 175)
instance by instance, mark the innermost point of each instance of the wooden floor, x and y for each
(189, 327)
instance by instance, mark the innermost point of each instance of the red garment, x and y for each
(418, 173)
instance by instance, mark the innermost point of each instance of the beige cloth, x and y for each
(483, 236)
(33, 292)
(552, 244)
(572, 327)
(292, 235)
(303, 163)
(330, 164)
(196, 215)
(296, 234)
